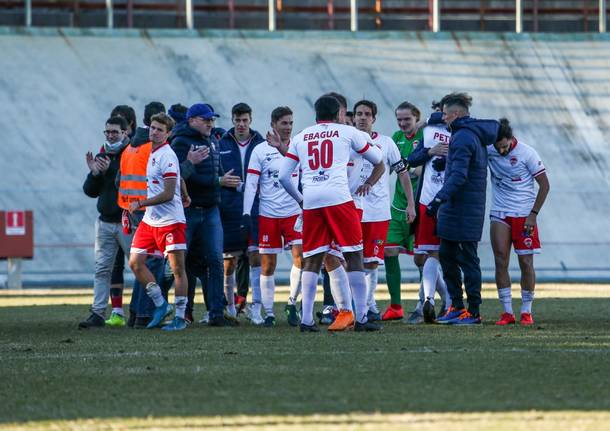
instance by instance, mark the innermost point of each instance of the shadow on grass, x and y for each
(51, 370)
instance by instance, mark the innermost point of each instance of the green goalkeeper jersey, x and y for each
(406, 145)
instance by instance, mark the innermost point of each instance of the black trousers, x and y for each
(457, 258)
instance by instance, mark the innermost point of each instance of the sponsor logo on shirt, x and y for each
(513, 161)
(321, 177)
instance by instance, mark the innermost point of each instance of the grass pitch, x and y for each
(552, 376)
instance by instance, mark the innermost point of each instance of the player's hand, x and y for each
(91, 164)
(411, 214)
(440, 149)
(298, 224)
(134, 206)
(364, 189)
(246, 224)
(103, 162)
(186, 200)
(273, 138)
(229, 180)
(439, 164)
(197, 155)
(432, 208)
(530, 224)
(420, 125)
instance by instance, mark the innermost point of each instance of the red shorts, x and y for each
(374, 234)
(338, 223)
(523, 243)
(159, 240)
(272, 230)
(425, 236)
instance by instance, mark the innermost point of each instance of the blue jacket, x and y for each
(201, 179)
(462, 213)
(231, 200)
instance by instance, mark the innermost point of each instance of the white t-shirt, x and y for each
(512, 179)
(354, 177)
(275, 202)
(323, 152)
(377, 202)
(433, 181)
(163, 164)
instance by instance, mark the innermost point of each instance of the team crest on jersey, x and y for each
(527, 242)
(415, 144)
(154, 161)
(169, 238)
(513, 161)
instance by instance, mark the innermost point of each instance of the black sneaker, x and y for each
(219, 321)
(309, 328)
(269, 322)
(93, 321)
(141, 322)
(371, 316)
(132, 319)
(367, 327)
(429, 313)
(292, 314)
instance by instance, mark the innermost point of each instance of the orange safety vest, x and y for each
(132, 186)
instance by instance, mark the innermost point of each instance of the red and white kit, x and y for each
(432, 181)
(278, 211)
(376, 210)
(329, 213)
(163, 228)
(514, 192)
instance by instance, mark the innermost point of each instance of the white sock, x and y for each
(370, 278)
(230, 289)
(527, 297)
(295, 285)
(429, 277)
(180, 302)
(154, 292)
(506, 299)
(255, 282)
(441, 288)
(340, 288)
(267, 293)
(420, 302)
(309, 281)
(118, 310)
(358, 285)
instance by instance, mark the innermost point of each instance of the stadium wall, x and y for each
(57, 87)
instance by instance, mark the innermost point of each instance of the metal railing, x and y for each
(433, 10)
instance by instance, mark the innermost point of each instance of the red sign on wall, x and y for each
(14, 223)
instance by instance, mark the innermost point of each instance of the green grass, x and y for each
(52, 372)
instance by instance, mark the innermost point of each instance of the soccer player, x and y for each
(163, 228)
(431, 154)
(515, 168)
(329, 214)
(399, 235)
(278, 213)
(376, 201)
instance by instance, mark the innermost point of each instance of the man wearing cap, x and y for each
(197, 151)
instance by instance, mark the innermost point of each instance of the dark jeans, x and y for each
(204, 232)
(457, 258)
(242, 274)
(328, 296)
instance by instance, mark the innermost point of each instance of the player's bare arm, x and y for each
(376, 174)
(543, 190)
(169, 188)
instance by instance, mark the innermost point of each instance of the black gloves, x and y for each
(439, 164)
(433, 207)
(246, 225)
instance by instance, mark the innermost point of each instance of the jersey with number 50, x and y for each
(323, 152)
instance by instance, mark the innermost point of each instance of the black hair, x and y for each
(280, 112)
(409, 107)
(436, 105)
(349, 114)
(118, 121)
(340, 98)
(151, 109)
(327, 108)
(463, 100)
(128, 113)
(241, 109)
(505, 130)
(368, 103)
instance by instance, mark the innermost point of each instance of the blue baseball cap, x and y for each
(202, 110)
